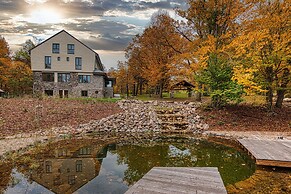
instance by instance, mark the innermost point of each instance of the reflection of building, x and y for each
(69, 170)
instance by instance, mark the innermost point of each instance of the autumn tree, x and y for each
(5, 62)
(15, 76)
(209, 27)
(123, 79)
(263, 47)
(152, 54)
(136, 67)
(19, 79)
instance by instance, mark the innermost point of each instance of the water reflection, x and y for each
(68, 171)
(98, 167)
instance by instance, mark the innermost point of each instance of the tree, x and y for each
(136, 68)
(5, 62)
(15, 76)
(23, 54)
(264, 47)
(218, 76)
(151, 55)
(210, 27)
(123, 78)
(20, 79)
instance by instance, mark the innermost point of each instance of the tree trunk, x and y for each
(269, 94)
(140, 87)
(127, 91)
(133, 90)
(161, 90)
(199, 94)
(282, 88)
(136, 89)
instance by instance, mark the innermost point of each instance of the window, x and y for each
(48, 166)
(84, 93)
(48, 77)
(63, 93)
(78, 63)
(71, 48)
(84, 78)
(79, 166)
(48, 62)
(68, 58)
(49, 92)
(85, 151)
(59, 58)
(63, 77)
(62, 152)
(108, 84)
(56, 48)
(71, 179)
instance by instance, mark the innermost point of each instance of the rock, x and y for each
(140, 116)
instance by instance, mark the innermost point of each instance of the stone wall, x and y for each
(109, 92)
(96, 88)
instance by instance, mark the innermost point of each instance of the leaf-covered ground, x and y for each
(27, 115)
(248, 118)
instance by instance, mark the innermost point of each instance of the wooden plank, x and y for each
(186, 180)
(268, 149)
(274, 163)
(269, 152)
(178, 174)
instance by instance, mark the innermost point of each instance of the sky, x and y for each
(106, 26)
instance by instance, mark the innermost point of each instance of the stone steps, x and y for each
(172, 121)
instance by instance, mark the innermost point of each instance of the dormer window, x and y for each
(56, 48)
(71, 48)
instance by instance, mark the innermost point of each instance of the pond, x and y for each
(99, 166)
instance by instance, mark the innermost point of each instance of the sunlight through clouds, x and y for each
(45, 16)
(32, 2)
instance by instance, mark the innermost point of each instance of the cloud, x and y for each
(35, 1)
(102, 24)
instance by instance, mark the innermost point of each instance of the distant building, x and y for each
(2, 93)
(65, 67)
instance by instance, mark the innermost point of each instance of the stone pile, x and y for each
(141, 116)
(137, 116)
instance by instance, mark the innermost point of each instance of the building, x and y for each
(65, 67)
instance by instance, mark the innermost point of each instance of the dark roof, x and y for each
(182, 84)
(99, 61)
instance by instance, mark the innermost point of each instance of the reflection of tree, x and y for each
(140, 159)
(5, 174)
(233, 165)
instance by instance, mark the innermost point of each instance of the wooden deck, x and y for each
(269, 152)
(173, 180)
